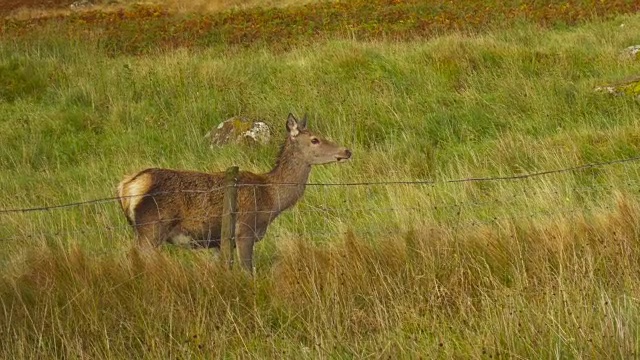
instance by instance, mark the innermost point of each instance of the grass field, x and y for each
(543, 267)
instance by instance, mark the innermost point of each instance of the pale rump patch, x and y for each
(131, 191)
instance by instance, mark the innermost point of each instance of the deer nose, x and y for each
(348, 153)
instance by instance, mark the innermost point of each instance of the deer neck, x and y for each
(289, 176)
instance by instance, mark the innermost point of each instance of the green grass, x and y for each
(538, 268)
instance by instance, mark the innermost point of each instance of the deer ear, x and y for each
(292, 125)
(302, 124)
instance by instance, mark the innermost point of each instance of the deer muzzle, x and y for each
(345, 155)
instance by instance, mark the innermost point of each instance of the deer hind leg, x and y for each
(152, 232)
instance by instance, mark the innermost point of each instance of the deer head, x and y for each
(311, 148)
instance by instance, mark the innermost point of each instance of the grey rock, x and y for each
(80, 4)
(628, 87)
(239, 130)
(631, 52)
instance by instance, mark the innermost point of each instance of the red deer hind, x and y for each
(185, 207)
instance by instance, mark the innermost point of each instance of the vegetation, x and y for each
(142, 28)
(536, 268)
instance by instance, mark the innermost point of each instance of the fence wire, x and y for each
(100, 223)
(582, 167)
(453, 217)
(112, 231)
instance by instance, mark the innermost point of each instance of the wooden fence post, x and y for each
(229, 209)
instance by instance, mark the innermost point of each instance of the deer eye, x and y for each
(315, 141)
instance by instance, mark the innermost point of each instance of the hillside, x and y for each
(490, 209)
(132, 28)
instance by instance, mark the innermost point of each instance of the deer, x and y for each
(184, 207)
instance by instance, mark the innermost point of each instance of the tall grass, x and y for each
(562, 288)
(536, 268)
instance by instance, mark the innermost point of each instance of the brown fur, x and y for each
(173, 205)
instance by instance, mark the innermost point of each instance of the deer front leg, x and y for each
(245, 238)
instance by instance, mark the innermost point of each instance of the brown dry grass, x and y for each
(508, 289)
(222, 5)
(30, 9)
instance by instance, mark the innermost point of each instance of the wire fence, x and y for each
(346, 184)
(96, 221)
(92, 231)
